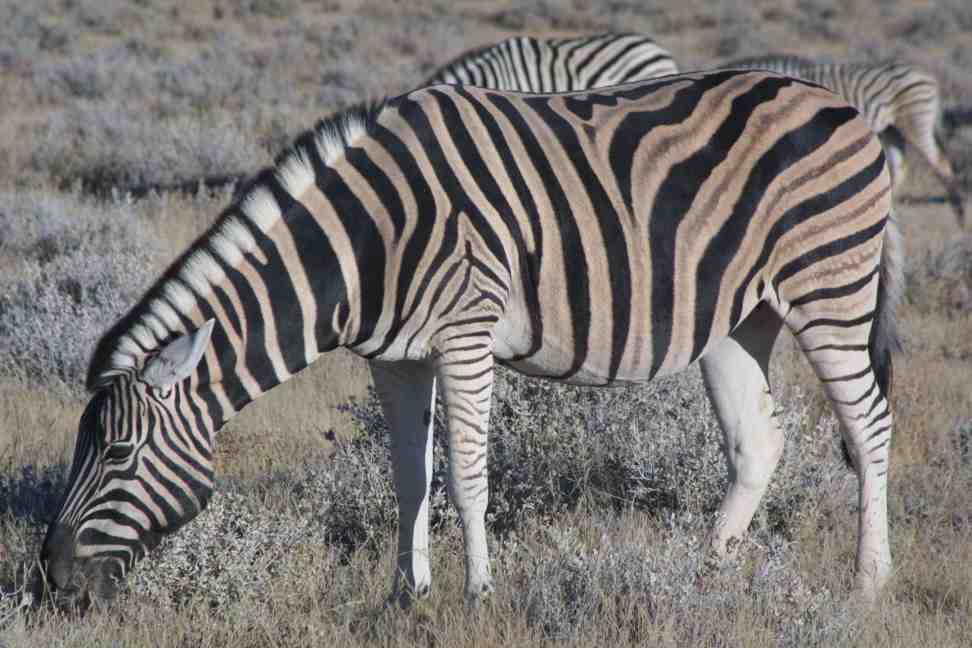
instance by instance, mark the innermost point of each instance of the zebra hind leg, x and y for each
(857, 388)
(735, 373)
(407, 394)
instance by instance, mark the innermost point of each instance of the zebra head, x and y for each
(142, 468)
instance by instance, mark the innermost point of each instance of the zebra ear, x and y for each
(179, 358)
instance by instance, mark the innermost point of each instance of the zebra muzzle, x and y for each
(57, 555)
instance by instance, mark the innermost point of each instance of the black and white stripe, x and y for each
(901, 103)
(597, 238)
(527, 64)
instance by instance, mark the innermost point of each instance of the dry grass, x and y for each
(597, 535)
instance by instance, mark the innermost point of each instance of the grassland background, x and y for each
(601, 499)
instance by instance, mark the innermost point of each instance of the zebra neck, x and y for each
(277, 307)
(273, 272)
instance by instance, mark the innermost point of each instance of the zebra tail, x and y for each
(884, 339)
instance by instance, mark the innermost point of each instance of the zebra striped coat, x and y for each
(596, 238)
(899, 101)
(528, 64)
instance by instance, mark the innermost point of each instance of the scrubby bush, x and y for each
(114, 71)
(553, 449)
(106, 146)
(654, 448)
(231, 551)
(633, 575)
(80, 264)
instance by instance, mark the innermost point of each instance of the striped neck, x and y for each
(269, 272)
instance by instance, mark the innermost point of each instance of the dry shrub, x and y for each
(655, 448)
(81, 264)
(554, 450)
(105, 146)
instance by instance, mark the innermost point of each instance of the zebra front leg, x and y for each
(735, 373)
(407, 394)
(466, 378)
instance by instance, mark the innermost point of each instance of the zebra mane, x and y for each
(163, 312)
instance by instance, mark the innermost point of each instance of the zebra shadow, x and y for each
(29, 498)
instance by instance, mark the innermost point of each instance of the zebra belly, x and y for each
(556, 360)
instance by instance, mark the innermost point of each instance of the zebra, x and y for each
(528, 64)
(595, 238)
(899, 101)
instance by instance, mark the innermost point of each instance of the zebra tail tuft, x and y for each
(884, 339)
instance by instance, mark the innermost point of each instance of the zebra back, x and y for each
(886, 93)
(900, 103)
(528, 64)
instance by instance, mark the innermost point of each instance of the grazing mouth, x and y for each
(89, 584)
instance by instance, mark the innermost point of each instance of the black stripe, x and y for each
(600, 47)
(583, 106)
(835, 292)
(639, 69)
(828, 250)
(437, 295)
(578, 291)
(225, 358)
(883, 415)
(800, 213)
(288, 316)
(97, 538)
(847, 377)
(429, 137)
(382, 185)
(418, 242)
(839, 323)
(488, 320)
(608, 66)
(456, 294)
(837, 347)
(319, 261)
(723, 247)
(530, 263)
(613, 238)
(458, 132)
(674, 198)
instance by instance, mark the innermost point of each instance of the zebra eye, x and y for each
(119, 451)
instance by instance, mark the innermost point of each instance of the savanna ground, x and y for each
(601, 499)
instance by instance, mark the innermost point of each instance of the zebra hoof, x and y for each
(405, 598)
(477, 594)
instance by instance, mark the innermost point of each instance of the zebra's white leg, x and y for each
(857, 396)
(407, 394)
(857, 374)
(735, 373)
(466, 380)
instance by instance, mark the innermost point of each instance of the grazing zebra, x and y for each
(596, 238)
(900, 102)
(527, 64)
